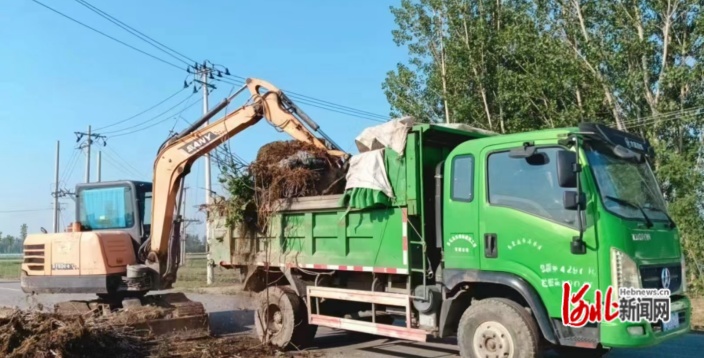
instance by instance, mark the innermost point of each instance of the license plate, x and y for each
(673, 323)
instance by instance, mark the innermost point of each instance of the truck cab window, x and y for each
(528, 185)
(462, 178)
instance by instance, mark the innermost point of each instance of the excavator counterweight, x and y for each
(125, 240)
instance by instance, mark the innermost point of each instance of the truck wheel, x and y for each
(281, 319)
(497, 327)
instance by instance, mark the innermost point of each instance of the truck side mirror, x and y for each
(573, 201)
(567, 169)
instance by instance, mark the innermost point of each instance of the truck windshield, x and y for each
(628, 188)
(106, 208)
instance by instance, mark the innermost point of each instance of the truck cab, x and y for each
(551, 212)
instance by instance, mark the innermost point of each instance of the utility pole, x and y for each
(100, 166)
(87, 144)
(183, 225)
(201, 74)
(56, 189)
(209, 267)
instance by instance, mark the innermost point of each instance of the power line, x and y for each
(142, 112)
(137, 33)
(108, 36)
(126, 162)
(24, 210)
(114, 132)
(322, 104)
(353, 113)
(158, 122)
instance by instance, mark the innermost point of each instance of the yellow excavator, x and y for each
(125, 239)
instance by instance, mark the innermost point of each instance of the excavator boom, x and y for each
(178, 154)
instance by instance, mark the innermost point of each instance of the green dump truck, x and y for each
(514, 243)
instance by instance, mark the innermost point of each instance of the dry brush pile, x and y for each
(43, 335)
(35, 334)
(282, 171)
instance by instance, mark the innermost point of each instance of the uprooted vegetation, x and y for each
(41, 334)
(36, 334)
(281, 172)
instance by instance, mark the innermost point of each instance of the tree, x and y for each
(515, 65)
(23, 232)
(194, 243)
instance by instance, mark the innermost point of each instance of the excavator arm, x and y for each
(177, 154)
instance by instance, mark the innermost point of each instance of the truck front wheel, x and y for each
(497, 327)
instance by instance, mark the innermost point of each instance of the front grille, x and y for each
(657, 327)
(34, 257)
(651, 276)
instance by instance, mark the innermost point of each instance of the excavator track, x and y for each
(153, 315)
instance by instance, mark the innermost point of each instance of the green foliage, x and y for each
(10, 244)
(238, 181)
(518, 65)
(194, 243)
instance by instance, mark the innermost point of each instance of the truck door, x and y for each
(460, 214)
(525, 229)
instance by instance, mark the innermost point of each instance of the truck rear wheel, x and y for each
(497, 327)
(281, 319)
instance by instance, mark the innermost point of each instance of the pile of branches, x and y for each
(281, 172)
(41, 334)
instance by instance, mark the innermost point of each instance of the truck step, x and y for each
(381, 298)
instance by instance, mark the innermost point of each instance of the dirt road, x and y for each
(231, 315)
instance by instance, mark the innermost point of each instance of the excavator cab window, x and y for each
(106, 208)
(145, 211)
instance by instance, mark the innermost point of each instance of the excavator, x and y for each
(125, 241)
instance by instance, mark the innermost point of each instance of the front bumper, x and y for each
(616, 334)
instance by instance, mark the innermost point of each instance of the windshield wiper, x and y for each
(671, 224)
(648, 223)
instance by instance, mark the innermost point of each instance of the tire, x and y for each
(565, 351)
(498, 327)
(281, 319)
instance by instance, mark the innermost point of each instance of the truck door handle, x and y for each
(490, 246)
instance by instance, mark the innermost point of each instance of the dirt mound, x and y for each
(40, 335)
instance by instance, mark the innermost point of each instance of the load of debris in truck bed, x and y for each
(282, 170)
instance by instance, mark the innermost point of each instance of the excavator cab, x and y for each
(118, 205)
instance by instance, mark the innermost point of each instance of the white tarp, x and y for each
(367, 169)
(391, 134)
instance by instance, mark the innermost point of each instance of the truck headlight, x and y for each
(624, 271)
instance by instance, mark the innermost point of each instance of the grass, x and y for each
(194, 275)
(10, 269)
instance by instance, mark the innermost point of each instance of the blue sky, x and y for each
(59, 77)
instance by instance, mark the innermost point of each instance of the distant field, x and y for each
(10, 269)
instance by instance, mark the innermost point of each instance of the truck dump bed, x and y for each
(361, 230)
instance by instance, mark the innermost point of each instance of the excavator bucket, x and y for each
(152, 315)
